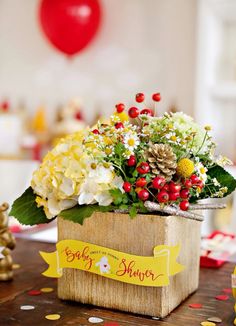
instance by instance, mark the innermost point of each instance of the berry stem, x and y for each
(151, 194)
(154, 110)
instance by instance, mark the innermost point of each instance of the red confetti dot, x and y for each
(15, 228)
(229, 290)
(195, 305)
(222, 297)
(34, 292)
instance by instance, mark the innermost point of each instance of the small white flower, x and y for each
(215, 182)
(131, 141)
(201, 171)
(223, 160)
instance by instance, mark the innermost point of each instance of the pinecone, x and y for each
(162, 160)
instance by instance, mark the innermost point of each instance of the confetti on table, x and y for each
(34, 292)
(229, 290)
(195, 305)
(235, 321)
(27, 307)
(215, 319)
(16, 266)
(156, 318)
(47, 290)
(222, 297)
(53, 317)
(95, 320)
(207, 323)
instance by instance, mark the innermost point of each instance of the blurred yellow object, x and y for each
(39, 123)
(233, 286)
(56, 141)
(122, 116)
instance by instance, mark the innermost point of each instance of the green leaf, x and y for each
(79, 213)
(119, 149)
(117, 196)
(124, 207)
(224, 178)
(133, 212)
(25, 209)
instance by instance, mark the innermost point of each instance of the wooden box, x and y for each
(137, 236)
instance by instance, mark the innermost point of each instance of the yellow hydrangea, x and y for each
(58, 179)
(70, 174)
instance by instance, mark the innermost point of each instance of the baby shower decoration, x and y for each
(128, 197)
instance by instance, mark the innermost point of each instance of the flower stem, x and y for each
(204, 139)
(118, 167)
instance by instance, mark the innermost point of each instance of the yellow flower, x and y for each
(107, 141)
(122, 116)
(207, 128)
(185, 168)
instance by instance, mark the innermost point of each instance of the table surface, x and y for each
(14, 294)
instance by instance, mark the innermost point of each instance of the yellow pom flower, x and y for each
(185, 168)
(207, 128)
(122, 116)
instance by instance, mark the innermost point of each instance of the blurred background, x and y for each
(52, 83)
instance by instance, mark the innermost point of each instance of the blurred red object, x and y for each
(70, 24)
(5, 106)
(217, 249)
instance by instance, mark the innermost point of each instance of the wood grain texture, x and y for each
(138, 236)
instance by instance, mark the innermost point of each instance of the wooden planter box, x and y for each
(138, 236)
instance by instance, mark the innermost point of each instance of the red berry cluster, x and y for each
(164, 192)
(134, 112)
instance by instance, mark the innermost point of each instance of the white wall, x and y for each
(142, 45)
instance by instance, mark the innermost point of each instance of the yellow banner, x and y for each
(123, 267)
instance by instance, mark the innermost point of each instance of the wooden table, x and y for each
(28, 276)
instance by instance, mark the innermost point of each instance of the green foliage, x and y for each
(25, 209)
(119, 149)
(223, 177)
(133, 212)
(78, 213)
(118, 197)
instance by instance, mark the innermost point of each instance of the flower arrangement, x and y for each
(138, 162)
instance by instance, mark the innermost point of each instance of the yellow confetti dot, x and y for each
(53, 317)
(207, 323)
(46, 290)
(235, 307)
(16, 266)
(235, 321)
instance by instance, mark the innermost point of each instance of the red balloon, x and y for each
(70, 24)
